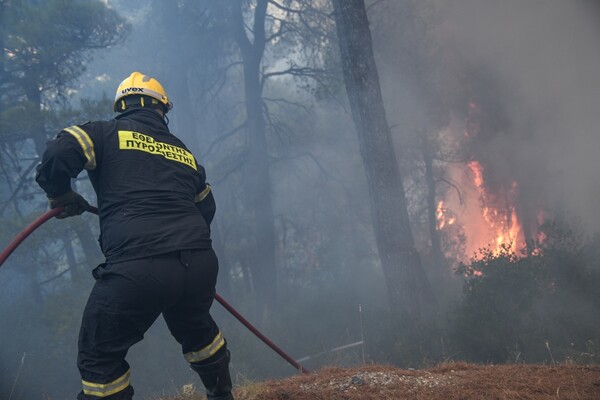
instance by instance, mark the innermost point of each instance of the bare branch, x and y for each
(220, 84)
(284, 8)
(288, 102)
(374, 4)
(21, 184)
(55, 277)
(307, 72)
(456, 188)
(280, 32)
(222, 138)
(299, 12)
(236, 167)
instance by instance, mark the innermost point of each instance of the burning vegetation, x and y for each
(492, 208)
(493, 131)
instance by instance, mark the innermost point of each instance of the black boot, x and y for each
(215, 376)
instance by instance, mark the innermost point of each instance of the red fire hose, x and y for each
(52, 213)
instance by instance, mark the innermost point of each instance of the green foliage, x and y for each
(44, 48)
(12, 122)
(88, 110)
(498, 296)
(540, 308)
(46, 42)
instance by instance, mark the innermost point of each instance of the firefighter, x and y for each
(155, 210)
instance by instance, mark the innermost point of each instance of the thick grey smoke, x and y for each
(545, 57)
(536, 63)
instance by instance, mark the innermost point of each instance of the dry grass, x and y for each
(451, 381)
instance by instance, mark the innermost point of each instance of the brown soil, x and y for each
(448, 381)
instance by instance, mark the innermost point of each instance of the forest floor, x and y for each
(450, 381)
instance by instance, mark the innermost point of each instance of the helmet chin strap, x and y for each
(166, 119)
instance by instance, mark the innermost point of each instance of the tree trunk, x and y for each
(89, 246)
(257, 181)
(408, 289)
(34, 96)
(436, 243)
(177, 68)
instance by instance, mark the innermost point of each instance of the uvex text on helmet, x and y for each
(141, 85)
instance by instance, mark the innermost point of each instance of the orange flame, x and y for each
(504, 223)
(443, 219)
(477, 171)
(487, 209)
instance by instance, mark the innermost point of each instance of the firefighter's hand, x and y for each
(72, 203)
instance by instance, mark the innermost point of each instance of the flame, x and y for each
(488, 215)
(485, 210)
(477, 171)
(503, 222)
(443, 219)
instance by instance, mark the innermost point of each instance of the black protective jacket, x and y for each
(152, 194)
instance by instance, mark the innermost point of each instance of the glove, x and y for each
(72, 202)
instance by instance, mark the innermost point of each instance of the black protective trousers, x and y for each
(126, 300)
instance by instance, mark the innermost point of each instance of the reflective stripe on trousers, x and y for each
(206, 352)
(106, 389)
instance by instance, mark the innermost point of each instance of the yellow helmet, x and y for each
(141, 85)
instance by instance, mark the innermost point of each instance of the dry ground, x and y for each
(451, 381)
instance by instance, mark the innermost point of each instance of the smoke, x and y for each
(541, 58)
(533, 66)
